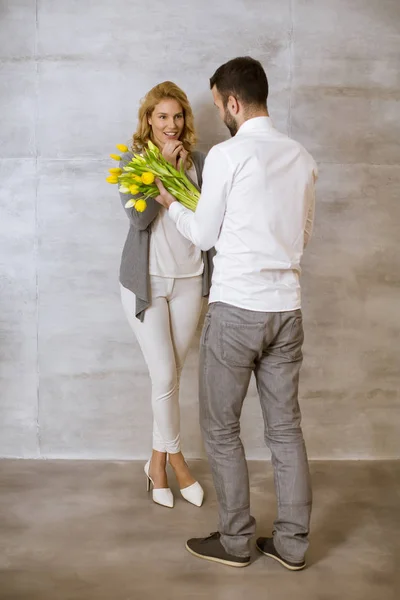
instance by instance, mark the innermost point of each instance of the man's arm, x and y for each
(202, 228)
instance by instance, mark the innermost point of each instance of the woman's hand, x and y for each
(182, 159)
(165, 198)
(172, 151)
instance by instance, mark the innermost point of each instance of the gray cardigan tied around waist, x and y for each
(134, 270)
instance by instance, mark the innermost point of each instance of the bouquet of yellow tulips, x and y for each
(138, 176)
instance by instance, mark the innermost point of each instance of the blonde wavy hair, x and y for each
(160, 92)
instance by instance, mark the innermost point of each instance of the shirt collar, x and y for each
(256, 124)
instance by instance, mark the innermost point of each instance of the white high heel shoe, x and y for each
(161, 496)
(194, 494)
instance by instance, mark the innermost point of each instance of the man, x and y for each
(256, 208)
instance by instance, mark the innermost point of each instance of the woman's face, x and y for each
(167, 121)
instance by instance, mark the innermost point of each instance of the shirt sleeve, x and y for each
(202, 227)
(311, 206)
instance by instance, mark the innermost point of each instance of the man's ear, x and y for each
(233, 105)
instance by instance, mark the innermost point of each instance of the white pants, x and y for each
(164, 337)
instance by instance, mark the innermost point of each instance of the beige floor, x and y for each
(88, 531)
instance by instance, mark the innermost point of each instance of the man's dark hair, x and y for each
(244, 78)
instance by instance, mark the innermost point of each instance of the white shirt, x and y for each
(171, 254)
(257, 209)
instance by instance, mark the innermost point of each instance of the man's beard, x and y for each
(230, 123)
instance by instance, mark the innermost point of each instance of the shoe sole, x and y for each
(164, 505)
(281, 561)
(217, 560)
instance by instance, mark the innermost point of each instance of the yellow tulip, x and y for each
(137, 178)
(122, 147)
(141, 205)
(134, 189)
(112, 179)
(115, 157)
(148, 178)
(115, 171)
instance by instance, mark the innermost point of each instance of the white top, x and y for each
(171, 254)
(257, 209)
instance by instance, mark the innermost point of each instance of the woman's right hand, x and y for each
(171, 151)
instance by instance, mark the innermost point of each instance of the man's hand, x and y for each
(165, 198)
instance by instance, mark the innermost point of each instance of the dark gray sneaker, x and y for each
(266, 546)
(210, 548)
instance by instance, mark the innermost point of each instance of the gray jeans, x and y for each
(234, 344)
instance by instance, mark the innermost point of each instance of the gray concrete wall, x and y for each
(73, 382)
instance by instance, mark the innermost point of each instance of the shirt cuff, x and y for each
(175, 210)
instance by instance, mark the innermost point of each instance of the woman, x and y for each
(163, 280)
